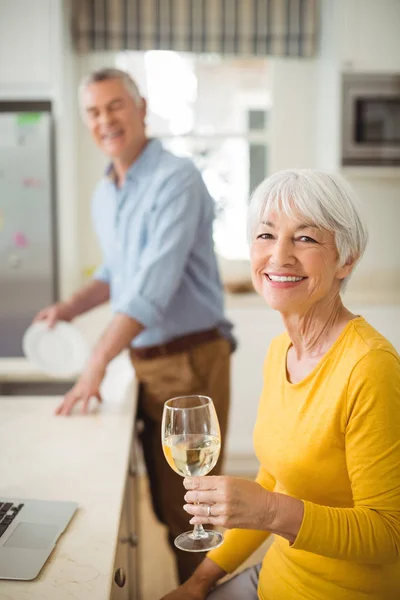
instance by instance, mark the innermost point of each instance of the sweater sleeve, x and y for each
(239, 544)
(368, 532)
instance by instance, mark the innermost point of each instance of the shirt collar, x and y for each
(146, 160)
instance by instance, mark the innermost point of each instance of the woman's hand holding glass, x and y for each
(191, 442)
(234, 502)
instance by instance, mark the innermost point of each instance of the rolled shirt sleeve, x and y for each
(102, 273)
(171, 234)
(369, 532)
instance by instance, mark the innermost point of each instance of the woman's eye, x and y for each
(305, 238)
(265, 236)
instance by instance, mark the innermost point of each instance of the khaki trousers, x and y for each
(204, 369)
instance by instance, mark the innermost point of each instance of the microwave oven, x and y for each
(370, 119)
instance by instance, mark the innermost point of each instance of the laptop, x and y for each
(29, 530)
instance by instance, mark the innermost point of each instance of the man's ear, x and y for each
(143, 107)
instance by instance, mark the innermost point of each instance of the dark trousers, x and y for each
(204, 369)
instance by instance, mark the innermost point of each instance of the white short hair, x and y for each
(324, 200)
(106, 74)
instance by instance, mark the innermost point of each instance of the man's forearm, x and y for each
(116, 337)
(89, 296)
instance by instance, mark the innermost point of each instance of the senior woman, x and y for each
(327, 434)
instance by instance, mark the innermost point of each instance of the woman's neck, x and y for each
(314, 332)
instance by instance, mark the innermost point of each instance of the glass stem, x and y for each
(198, 531)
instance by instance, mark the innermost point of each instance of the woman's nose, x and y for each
(282, 253)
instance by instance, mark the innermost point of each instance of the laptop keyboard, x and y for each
(8, 512)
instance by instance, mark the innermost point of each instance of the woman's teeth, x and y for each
(283, 278)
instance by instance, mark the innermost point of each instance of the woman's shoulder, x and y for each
(375, 377)
(373, 345)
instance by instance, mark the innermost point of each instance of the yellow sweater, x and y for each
(332, 440)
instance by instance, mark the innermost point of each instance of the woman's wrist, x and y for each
(287, 516)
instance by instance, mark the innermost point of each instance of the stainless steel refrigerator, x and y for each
(28, 257)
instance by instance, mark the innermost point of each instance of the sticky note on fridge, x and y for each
(28, 118)
(20, 239)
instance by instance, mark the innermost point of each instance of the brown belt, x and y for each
(177, 345)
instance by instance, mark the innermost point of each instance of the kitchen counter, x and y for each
(80, 458)
(20, 369)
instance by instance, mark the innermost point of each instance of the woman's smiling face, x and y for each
(294, 264)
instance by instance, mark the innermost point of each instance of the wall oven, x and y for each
(370, 119)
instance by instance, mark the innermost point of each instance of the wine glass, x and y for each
(191, 442)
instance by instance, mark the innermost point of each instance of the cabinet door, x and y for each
(121, 575)
(126, 575)
(133, 497)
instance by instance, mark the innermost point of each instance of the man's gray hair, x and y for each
(106, 74)
(324, 200)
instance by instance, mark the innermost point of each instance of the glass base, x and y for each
(188, 542)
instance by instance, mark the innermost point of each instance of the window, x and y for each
(215, 110)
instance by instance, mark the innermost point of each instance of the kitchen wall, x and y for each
(368, 33)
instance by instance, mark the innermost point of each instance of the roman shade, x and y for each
(242, 27)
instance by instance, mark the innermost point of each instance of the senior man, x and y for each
(153, 217)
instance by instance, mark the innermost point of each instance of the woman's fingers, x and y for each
(209, 514)
(204, 497)
(207, 521)
(198, 510)
(211, 482)
(206, 510)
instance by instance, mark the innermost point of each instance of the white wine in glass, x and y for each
(191, 442)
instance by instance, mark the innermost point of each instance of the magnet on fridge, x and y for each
(20, 239)
(32, 182)
(14, 261)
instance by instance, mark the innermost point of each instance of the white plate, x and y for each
(61, 351)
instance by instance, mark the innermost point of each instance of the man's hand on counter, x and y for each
(87, 387)
(116, 337)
